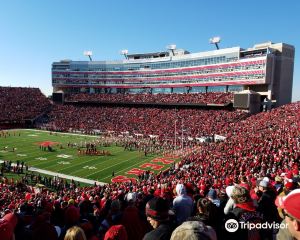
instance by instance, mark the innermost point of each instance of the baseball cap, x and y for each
(290, 203)
(263, 183)
(212, 194)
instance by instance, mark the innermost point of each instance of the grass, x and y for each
(98, 168)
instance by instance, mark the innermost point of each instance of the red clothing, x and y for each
(136, 228)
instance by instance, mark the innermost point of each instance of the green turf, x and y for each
(27, 143)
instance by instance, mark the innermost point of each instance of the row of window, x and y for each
(147, 81)
(137, 66)
(235, 88)
(164, 74)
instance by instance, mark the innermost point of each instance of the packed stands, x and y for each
(234, 179)
(19, 104)
(146, 121)
(193, 98)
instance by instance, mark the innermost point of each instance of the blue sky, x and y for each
(33, 34)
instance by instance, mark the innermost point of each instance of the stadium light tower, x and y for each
(125, 53)
(172, 47)
(89, 54)
(215, 40)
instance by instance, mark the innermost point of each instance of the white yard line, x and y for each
(62, 133)
(78, 179)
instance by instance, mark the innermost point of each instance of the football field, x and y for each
(25, 146)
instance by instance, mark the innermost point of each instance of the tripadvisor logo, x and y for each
(232, 225)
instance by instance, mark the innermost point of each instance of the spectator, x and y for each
(244, 211)
(230, 202)
(157, 212)
(266, 206)
(116, 232)
(42, 229)
(207, 213)
(75, 233)
(291, 208)
(133, 221)
(182, 204)
(194, 230)
(7, 226)
(212, 196)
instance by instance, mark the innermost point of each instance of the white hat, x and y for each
(229, 190)
(266, 179)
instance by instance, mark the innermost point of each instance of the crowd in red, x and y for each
(18, 104)
(238, 178)
(195, 98)
(146, 121)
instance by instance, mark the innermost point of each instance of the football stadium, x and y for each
(154, 146)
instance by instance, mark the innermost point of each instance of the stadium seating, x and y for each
(194, 98)
(259, 149)
(19, 104)
(142, 120)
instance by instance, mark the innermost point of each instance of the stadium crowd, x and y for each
(146, 121)
(195, 98)
(252, 177)
(18, 104)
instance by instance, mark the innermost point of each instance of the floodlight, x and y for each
(215, 40)
(89, 54)
(172, 47)
(124, 52)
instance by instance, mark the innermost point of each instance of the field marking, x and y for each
(104, 160)
(78, 164)
(63, 162)
(84, 137)
(123, 169)
(90, 160)
(55, 174)
(35, 153)
(89, 168)
(131, 166)
(64, 156)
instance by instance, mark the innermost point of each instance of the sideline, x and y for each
(55, 174)
(61, 133)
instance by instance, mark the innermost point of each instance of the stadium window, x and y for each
(198, 90)
(216, 89)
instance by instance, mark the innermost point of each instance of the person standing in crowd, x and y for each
(116, 232)
(193, 230)
(212, 196)
(75, 233)
(7, 226)
(266, 206)
(244, 211)
(182, 204)
(290, 205)
(157, 212)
